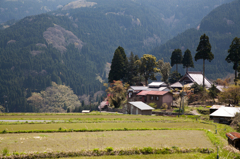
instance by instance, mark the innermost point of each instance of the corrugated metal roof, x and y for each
(156, 84)
(143, 88)
(198, 78)
(220, 88)
(233, 135)
(139, 88)
(226, 112)
(141, 105)
(217, 106)
(157, 92)
(177, 84)
(144, 93)
(103, 104)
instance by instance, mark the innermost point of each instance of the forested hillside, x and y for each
(221, 25)
(18, 9)
(31, 57)
(72, 45)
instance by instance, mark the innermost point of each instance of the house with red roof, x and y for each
(157, 97)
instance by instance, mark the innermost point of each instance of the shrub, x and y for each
(154, 105)
(5, 151)
(147, 150)
(164, 106)
(109, 149)
(4, 131)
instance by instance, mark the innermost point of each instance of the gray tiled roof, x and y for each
(141, 105)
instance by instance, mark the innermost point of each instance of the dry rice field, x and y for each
(44, 142)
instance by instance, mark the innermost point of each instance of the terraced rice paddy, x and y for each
(36, 142)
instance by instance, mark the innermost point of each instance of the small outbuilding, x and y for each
(85, 111)
(234, 139)
(224, 114)
(103, 106)
(137, 108)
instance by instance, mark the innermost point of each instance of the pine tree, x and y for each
(204, 52)
(116, 72)
(234, 55)
(132, 70)
(176, 58)
(125, 64)
(187, 60)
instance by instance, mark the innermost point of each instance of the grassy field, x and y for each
(85, 117)
(117, 140)
(186, 135)
(56, 126)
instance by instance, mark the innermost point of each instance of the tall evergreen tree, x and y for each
(117, 67)
(187, 60)
(132, 70)
(176, 58)
(234, 55)
(204, 52)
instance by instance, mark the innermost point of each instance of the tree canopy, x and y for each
(234, 55)
(54, 99)
(164, 70)
(204, 52)
(187, 60)
(176, 58)
(118, 65)
(148, 67)
(117, 93)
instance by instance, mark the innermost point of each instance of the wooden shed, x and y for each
(234, 139)
(224, 115)
(137, 108)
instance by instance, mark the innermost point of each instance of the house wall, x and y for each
(223, 120)
(168, 98)
(154, 100)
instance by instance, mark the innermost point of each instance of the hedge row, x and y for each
(91, 130)
(107, 151)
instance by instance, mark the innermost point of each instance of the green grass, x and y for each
(56, 126)
(117, 140)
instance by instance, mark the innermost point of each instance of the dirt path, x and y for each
(194, 112)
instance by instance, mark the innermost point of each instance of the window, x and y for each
(157, 97)
(151, 97)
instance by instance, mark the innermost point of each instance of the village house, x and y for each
(194, 77)
(137, 108)
(157, 97)
(154, 86)
(224, 115)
